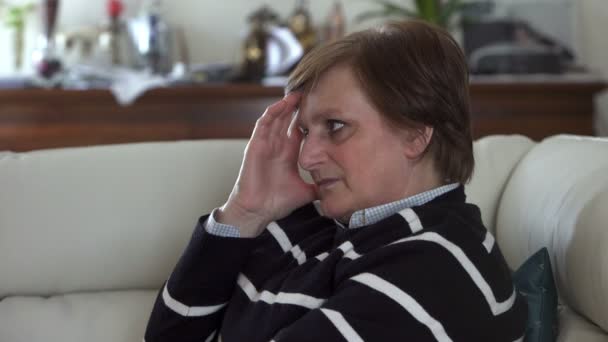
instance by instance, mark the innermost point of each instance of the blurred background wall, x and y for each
(214, 29)
(593, 36)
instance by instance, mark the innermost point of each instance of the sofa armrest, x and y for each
(557, 198)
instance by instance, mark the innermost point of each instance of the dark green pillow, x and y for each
(534, 280)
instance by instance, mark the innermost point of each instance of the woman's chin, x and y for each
(335, 211)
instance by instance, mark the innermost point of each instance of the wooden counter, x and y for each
(36, 118)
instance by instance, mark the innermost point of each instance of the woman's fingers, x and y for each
(272, 126)
(271, 123)
(294, 138)
(272, 111)
(287, 105)
(263, 124)
(281, 122)
(283, 134)
(294, 98)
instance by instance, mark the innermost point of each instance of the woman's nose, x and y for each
(311, 154)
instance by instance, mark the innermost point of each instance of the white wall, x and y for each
(593, 19)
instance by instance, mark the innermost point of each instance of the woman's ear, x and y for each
(417, 141)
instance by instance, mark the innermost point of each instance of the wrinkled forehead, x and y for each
(333, 92)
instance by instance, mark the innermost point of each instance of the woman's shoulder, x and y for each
(447, 247)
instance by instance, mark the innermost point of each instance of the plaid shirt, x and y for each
(358, 219)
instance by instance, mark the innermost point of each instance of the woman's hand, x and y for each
(269, 186)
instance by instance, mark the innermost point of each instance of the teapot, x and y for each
(269, 49)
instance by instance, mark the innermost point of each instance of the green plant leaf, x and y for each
(428, 10)
(434, 11)
(398, 9)
(15, 16)
(450, 9)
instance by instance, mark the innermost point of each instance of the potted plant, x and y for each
(14, 17)
(439, 12)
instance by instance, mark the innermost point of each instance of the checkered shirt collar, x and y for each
(372, 215)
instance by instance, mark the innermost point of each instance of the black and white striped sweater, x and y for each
(429, 273)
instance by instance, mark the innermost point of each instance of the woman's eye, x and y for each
(334, 125)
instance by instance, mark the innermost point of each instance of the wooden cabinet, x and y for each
(534, 106)
(37, 118)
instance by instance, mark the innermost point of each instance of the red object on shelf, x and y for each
(115, 8)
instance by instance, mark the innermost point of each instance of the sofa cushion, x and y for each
(534, 280)
(119, 316)
(574, 328)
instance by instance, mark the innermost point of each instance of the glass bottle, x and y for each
(115, 9)
(335, 26)
(47, 64)
(151, 38)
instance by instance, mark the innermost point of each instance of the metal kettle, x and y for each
(269, 49)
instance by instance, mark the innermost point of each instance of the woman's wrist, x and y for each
(249, 224)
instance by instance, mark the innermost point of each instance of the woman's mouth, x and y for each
(327, 183)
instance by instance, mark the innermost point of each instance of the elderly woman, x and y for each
(382, 247)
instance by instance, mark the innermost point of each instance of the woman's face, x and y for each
(355, 158)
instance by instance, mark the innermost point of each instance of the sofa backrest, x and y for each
(495, 158)
(105, 217)
(117, 217)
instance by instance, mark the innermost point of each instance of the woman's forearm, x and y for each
(190, 304)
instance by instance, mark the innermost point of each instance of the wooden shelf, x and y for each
(37, 118)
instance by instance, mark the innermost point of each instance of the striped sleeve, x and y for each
(190, 305)
(407, 294)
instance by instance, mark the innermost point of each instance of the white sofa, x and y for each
(88, 235)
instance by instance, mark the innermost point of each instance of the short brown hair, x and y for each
(416, 75)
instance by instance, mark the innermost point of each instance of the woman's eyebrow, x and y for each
(318, 116)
